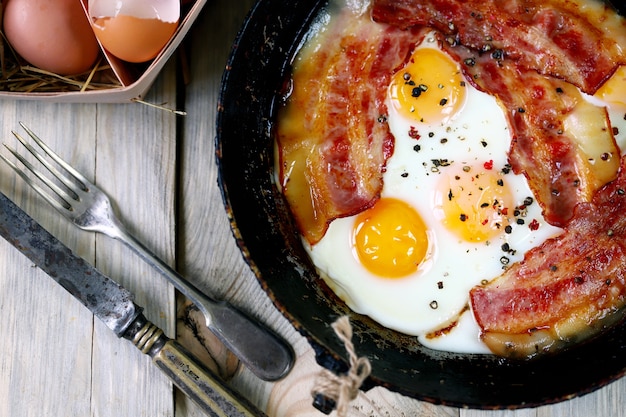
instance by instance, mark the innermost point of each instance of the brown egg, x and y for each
(54, 35)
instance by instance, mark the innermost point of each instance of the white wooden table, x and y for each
(56, 360)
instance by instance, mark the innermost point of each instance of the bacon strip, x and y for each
(545, 147)
(515, 50)
(576, 40)
(564, 290)
(332, 136)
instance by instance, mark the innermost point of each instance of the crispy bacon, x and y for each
(527, 53)
(565, 289)
(332, 135)
(563, 144)
(579, 41)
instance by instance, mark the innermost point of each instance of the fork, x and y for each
(89, 208)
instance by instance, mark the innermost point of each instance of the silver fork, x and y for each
(89, 208)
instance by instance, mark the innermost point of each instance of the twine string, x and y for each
(343, 389)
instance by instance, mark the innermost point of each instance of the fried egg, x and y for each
(451, 215)
(612, 95)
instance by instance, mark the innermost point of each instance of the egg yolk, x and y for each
(614, 89)
(430, 88)
(474, 204)
(390, 238)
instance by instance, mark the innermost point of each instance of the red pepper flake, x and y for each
(505, 211)
(534, 225)
(484, 222)
(413, 133)
(489, 164)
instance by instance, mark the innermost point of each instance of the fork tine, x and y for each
(43, 193)
(83, 182)
(73, 187)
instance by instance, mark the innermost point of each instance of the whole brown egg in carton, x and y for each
(126, 42)
(52, 35)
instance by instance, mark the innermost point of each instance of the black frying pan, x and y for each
(255, 75)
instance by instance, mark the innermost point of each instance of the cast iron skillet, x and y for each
(270, 244)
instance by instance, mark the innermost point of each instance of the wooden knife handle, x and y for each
(187, 373)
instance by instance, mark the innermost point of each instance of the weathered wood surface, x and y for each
(159, 169)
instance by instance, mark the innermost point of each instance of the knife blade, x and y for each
(115, 307)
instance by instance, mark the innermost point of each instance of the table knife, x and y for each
(114, 306)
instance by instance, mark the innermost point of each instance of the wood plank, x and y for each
(56, 360)
(208, 255)
(135, 165)
(46, 334)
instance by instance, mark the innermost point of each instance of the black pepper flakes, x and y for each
(463, 217)
(417, 148)
(500, 182)
(404, 175)
(520, 221)
(508, 229)
(434, 305)
(553, 268)
(470, 61)
(440, 285)
(416, 92)
(443, 101)
(497, 54)
(440, 162)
